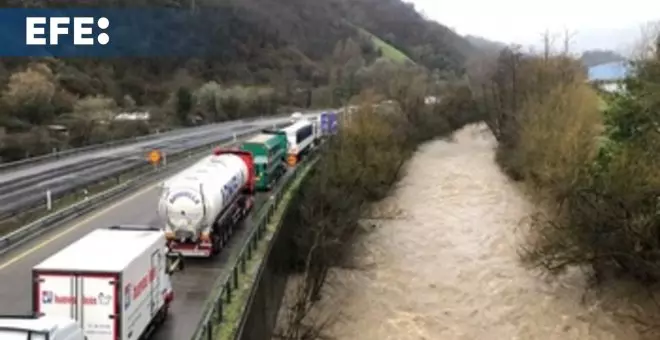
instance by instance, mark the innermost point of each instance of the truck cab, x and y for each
(44, 328)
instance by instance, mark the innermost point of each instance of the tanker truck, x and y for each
(202, 205)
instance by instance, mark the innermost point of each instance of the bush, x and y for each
(27, 144)
(611, 222)
(89, 122)
(29, 94)
(558, 137)
(217, 103)
(594, 171)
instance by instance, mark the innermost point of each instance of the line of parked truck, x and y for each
(91, 291)
(201, 206)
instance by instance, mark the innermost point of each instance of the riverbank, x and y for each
(446, 266)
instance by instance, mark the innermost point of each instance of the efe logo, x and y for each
(35, 30)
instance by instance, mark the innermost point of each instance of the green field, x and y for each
(388, 50)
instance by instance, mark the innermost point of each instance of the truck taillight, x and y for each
(169, 235)
(205, 237)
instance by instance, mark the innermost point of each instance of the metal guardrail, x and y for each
(33, 201)
(96, 147)
(78, 209)
(224, 289)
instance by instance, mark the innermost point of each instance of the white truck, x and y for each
(301, 137)
(296, 116)
(115, 282)
(21, 327)
(202, 205)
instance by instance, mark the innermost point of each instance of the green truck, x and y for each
(269, 149)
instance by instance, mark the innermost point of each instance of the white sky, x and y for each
(604, 24)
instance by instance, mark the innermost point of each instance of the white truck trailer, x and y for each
(115, 282)
(203, 204)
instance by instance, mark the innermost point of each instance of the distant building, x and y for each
(609, 77)
(133, 116)
(58, 130)
(430, 100)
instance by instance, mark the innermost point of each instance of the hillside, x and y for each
(269, 38)
(271, 54)
(400, 25)
(388, 51)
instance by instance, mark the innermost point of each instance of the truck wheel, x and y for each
(217, 244)
(164, 312)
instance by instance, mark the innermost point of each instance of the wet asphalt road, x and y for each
(191, 286)
(139, 148)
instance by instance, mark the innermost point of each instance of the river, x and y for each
(446, 265)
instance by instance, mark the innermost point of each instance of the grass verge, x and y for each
(234, 310)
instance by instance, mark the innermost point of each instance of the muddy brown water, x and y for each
(446, 266)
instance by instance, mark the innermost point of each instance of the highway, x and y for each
(27, 192)
(26, 188)
(132, 149)
(191, 286)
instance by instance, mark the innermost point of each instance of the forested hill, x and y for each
(266, 39)
(276, 50)
(400, 25)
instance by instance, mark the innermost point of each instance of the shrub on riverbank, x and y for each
(612, 221)
(359, 167)
(596, 172)
(542, 114)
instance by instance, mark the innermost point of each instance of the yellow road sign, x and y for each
(154, 156)
(292, 159)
